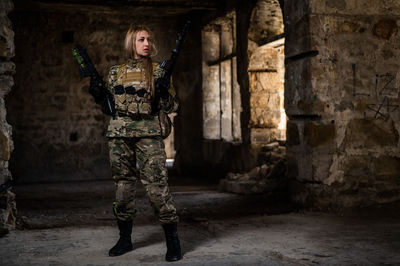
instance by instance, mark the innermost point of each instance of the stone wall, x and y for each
(341, 95)
(58, 129)
(342, 98)
(266, 73)
(258, 20)
(266, 21)
(7, 69)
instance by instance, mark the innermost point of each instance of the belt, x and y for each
(137, 116)
(119, 89)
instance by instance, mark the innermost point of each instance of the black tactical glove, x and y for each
(96, 89)
(162, 86)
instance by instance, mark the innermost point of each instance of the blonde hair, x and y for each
(130, 40)
(130, 46)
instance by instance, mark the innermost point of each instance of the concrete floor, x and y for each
(71, 223)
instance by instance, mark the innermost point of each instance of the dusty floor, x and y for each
(72, 224)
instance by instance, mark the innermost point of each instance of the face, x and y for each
(143, 44)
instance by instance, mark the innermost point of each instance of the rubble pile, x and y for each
(269, 176)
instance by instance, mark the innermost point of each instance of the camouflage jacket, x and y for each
(133, 101)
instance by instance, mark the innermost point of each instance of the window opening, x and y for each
(221, 92)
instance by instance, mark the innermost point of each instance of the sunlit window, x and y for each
(221, 92)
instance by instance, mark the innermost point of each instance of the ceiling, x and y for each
(142, 7)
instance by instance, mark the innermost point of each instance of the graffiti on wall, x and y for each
(385, 95)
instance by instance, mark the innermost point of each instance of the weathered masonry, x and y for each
(7, 69)
(318, 78)
(342, 99)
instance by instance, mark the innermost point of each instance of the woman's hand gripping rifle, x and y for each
(97, 86)
(162, 83)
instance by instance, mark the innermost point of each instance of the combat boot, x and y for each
(124, 243)
(173, 244)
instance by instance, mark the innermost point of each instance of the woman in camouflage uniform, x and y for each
(136, 143)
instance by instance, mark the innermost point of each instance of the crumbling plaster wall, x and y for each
(58, 129)
(7, 69)
(342, 99)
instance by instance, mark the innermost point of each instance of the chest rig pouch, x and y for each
(132, 94)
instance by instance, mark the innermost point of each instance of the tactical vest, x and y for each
(132, 97)
(132, 92)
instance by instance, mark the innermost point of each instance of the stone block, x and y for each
(321, 163)
(266, 21)
(243, 187)
(5, 7)
(264, 57)
(386, 168)
(317, 134)
(361, 105)
(355, 7)
(7, 68)
(293, 169)
(210, 39)
(337, 4)
(311, 106)
(370, 134)
(292, 134)
(385, 28)
(390, 195)
(305, 170)
(7, 48)
(295, 11)
(260, 136)
(357, 166)
(4, 147)
(8, 211)
(6, 83)
(3, 48)
(298, 87)
(265, 82)
(5, 174)
(264, 119)
(349, 27)
(343, 68)
(310, 148)
(297, 37)
(226, 38)
(265, 100)
(301, 158)
(270, 147)
(338, 39)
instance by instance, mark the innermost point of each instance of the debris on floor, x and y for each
(269, 176)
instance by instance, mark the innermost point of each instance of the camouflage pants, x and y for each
(148, 155)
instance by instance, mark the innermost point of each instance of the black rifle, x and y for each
(87, 69)
(161, 84)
